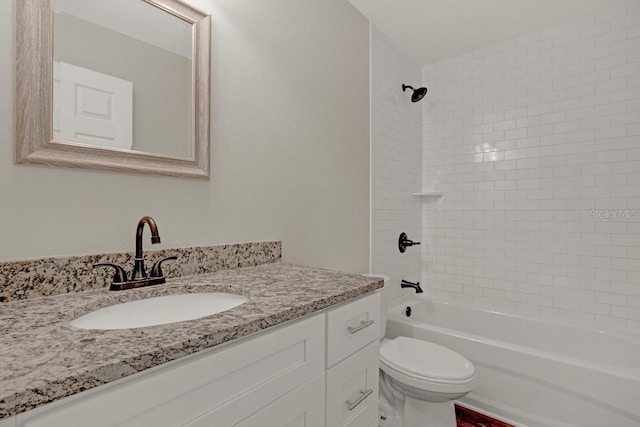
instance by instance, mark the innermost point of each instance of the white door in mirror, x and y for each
(91, 108)
(158, 311)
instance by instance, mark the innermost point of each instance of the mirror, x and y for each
(120, 85)
(117, 60)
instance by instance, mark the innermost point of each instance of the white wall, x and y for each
(529, 139)
(290, 149)
(396, 163)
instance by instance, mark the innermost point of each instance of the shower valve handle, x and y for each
(404, 242)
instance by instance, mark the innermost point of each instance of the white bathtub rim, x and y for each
(608, 369)
(627, 335)
(618, 371)
(524, 373)
(625, 375)
(618, 405)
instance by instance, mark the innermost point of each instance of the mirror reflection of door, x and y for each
(92, 108)
(131, 41)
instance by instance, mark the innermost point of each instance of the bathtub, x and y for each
(533, 372)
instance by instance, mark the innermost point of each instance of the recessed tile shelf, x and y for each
(437, 194)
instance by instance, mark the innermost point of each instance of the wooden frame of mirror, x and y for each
(34, 99)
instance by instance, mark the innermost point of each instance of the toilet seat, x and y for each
(427, 367)
(423, 359)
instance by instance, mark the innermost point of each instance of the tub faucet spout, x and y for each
(407, 284)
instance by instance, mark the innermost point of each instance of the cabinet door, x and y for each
(352, 389)
(302, 407)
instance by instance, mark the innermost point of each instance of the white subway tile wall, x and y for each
(535, 143)
(396, 164)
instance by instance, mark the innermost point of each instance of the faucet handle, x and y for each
(120, 275)
(404, 242)
(156, 269)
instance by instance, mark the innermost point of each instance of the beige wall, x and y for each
(290, 149)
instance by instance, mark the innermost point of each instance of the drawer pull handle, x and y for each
(363, 395)
(363, 324)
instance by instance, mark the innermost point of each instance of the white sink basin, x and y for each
(158, 311)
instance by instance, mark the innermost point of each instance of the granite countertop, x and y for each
(43, 358)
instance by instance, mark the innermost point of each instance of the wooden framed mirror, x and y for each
(121, 85)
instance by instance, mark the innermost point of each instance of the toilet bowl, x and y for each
(425, 370)
(422, 381)
(419, 380)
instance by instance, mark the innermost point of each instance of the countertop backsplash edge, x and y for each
(20, 280)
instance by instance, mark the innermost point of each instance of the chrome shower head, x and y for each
(418, 94)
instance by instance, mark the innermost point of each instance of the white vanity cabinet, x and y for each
(301, 373)
(302, 407)
(352, 363)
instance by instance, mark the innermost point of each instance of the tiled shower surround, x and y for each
(535, 143)
(396, 163)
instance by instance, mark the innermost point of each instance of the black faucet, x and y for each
(139, 272)
(139, 276)
(407, 284)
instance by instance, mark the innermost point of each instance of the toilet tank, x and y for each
(383, 302)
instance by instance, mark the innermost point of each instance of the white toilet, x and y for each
(419, 380)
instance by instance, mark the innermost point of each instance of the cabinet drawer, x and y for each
(351, 327)
(267, 366)
(352, 389)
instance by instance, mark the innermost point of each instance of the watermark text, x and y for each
(614, 214)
